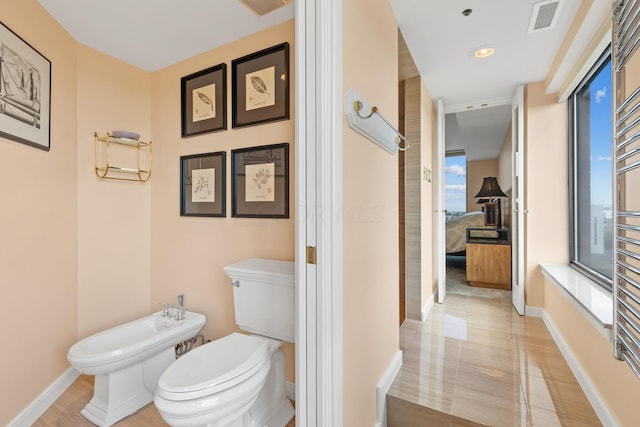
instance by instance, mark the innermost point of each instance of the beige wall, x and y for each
(370, 55)
(38, 227)
(476, 171)
(188, 253)
(546, 223)
(614, 380)
(113, 216)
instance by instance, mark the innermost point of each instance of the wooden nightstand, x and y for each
(489, 261)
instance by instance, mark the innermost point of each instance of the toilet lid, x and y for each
(214, 367)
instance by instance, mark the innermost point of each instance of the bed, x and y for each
(456, 231)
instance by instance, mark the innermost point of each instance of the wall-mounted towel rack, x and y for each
(103, 167)
(373, 125)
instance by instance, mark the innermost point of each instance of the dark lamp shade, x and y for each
(490, 188)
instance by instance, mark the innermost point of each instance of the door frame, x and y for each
(319, 127)
(517, 197)
(441, 248)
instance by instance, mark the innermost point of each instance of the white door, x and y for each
(517, 197)
(441, 256)
(319, 122)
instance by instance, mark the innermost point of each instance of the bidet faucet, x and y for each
(181, 306)
(165, 312)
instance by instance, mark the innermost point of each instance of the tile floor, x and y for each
(475, 359)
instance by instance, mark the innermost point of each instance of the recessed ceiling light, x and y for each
(483, 52)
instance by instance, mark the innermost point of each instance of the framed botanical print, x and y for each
(260, 86)
(203, 184)
(204, 101)
(260, 181)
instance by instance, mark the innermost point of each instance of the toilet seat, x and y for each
(214, 367)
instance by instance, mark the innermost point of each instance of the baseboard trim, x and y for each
(606, 417)
(383, 388)
(427, 307)
(41, 403)
(533, 311)
(290, 390)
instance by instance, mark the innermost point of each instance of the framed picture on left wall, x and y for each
(25, 92)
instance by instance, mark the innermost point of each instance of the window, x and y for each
(455, 184)
(591, 173)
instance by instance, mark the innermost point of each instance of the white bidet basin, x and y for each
(127, 361)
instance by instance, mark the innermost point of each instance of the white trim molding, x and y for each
(533, 311)
(589, 42)
(427, 307)
(384, 385)
(319, 127)
(41, 403)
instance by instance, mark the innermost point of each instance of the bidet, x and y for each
(127, 361)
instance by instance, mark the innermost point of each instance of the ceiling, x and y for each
(477, 93)
(153, 34)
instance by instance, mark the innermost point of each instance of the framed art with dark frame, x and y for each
(25, 92)
(203, 184)
(204, 101)
(260, 181)
(260, 86)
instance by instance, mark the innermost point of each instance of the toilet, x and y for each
(238, 380)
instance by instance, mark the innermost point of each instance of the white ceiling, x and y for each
(153, 34)
(442, 40)
(479, 133)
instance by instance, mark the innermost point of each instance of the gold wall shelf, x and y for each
(105, 170)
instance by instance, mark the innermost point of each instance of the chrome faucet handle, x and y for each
(165, 312)
(181, 309)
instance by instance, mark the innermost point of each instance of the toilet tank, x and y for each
(263, 296)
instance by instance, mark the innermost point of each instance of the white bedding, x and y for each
(456, 229)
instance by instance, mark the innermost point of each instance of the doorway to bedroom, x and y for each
(477, 151)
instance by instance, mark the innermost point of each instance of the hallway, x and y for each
(474, 359)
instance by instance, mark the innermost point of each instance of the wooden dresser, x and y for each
(489, 263)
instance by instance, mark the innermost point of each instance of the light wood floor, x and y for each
(474, 361)
(65, 412)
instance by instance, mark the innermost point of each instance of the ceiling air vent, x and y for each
(262, 7)
(545, 15)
